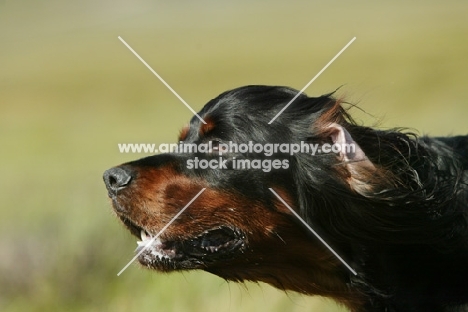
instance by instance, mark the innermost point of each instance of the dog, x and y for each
(394, 208)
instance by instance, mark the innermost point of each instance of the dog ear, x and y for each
(359, 168)
(350, 151)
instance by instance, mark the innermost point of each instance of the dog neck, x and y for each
(285, 264)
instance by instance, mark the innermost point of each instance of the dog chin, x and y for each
(199, 252)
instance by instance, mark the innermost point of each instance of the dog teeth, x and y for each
(144, 236)
(212, 249)
(141, 244)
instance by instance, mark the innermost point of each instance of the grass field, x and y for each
(70, 91)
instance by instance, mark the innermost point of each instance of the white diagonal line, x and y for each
(313, 232)
(313, 79)
(162, 80)
(160, 232)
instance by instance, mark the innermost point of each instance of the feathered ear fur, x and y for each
(359, 168)
(390, 180)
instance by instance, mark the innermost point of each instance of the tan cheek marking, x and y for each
(285, 196)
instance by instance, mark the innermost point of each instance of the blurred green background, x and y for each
(70, 91)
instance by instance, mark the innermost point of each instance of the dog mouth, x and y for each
(211, 246)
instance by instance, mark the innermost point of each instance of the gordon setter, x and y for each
(394, 208)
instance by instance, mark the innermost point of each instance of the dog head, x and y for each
(237, 227)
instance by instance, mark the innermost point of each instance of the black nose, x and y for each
(117, 178)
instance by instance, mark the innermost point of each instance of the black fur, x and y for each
(407, 238)
(399, 216)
